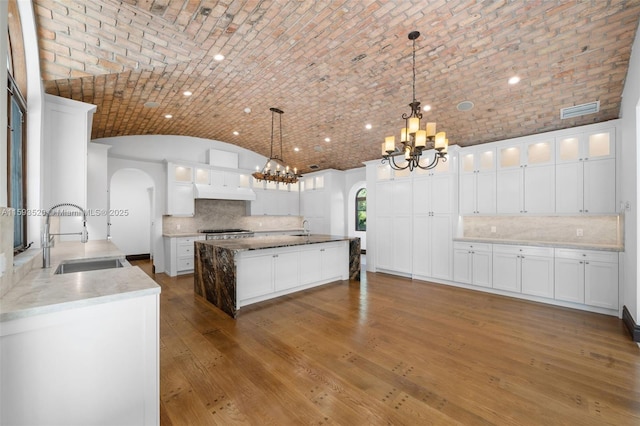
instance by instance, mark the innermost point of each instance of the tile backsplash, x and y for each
(600, 230)
(226, 214)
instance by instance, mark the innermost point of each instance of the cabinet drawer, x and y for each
(185, 250)
(185, 264)
(472, 246)
(523, 250)
(592, 255)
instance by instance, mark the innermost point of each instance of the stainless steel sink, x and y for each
(69, 266)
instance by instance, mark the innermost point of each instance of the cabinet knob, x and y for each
(586, 263)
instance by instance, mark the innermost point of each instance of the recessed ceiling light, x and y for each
(368, 126)
(296, 149)
(465, 106)
(426, 108)
(187, 93)
(168, 116)
(236, 133)
(514, 80)
(218, 57)
(327, 139)
(247, 110)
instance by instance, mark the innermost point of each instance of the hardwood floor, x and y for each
(390, 350)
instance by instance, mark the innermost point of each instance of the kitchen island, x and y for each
(235, 273)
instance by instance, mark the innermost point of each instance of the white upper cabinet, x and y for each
(478, 180)
(180, 201)
(586, 173)
(526, 177)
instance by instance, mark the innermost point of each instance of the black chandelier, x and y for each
(279, 172)
(414, 139)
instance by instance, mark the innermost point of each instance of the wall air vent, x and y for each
(578, 110)
(314, 167)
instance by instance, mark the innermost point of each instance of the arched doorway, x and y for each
(352, 209)
(131, 200)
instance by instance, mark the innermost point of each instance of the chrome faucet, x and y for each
(305, 227)
(47, 237)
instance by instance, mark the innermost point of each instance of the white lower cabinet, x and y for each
(268, 273)
(179, 254)
(587, 276)
(472, 263)
(523, 269)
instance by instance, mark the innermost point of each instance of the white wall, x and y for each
(629, 159)
(3, 101)
(130, 206)
(157, 173)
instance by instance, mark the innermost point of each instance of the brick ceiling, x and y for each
(333, 67)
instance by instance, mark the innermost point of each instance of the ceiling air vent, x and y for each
(578, 110)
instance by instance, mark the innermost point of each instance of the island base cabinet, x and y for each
(96, 365)
(265, 274)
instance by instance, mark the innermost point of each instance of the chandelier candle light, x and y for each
(281, 173)
(414, 139)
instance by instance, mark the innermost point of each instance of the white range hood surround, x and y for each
(215, 192)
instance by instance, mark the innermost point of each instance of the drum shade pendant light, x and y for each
(414, 138)
(275, 169)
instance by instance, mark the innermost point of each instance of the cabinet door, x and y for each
(422, 239)
(441, 193)
(486, 193)
(506, 271)
(254, 276)
(285, 270)
(537, 275)
(482, 268)
(467, 198)
(539, 189)
(402, 240)
(509, 191)
(601, 284)
(569, 280)
(440, 246)
(421, 196)
(462, 265)
(310, 266)
(181, 201)
(384, 243)
(569, 196)
(600, 186)
(335, 260)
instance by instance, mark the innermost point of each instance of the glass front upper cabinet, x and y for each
(596, 145)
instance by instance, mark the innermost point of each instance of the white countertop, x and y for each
(41, 291)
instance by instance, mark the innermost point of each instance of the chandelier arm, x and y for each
(395, 165)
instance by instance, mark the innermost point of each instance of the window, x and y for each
(361, 210)
(16, 157)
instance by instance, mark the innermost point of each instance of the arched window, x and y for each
(361, 210)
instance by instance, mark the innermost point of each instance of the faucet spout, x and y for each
(47, 236)
(305, 227)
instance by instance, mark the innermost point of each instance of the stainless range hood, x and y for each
(215, 192)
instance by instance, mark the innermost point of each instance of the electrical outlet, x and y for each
(493, 230)
(579, 232)
(178, 226)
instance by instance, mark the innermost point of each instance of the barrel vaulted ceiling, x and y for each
(333, 67)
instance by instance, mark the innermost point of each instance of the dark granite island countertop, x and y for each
(216, 275)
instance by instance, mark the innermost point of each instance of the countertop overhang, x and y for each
(554, 244)
(41, 291)
(276, 241)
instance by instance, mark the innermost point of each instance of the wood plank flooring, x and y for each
(389, 350)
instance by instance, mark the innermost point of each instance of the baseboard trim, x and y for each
(634, 329)
(143, 256)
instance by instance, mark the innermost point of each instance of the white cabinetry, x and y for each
(96, 364)
(433, 196)
(180, 199)
(586, 173)
(179, 252)
(393, 224)
(587, 276)
(269, 273)
(523, 269)
(526, 177)
(472, 263)
(478, 180)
